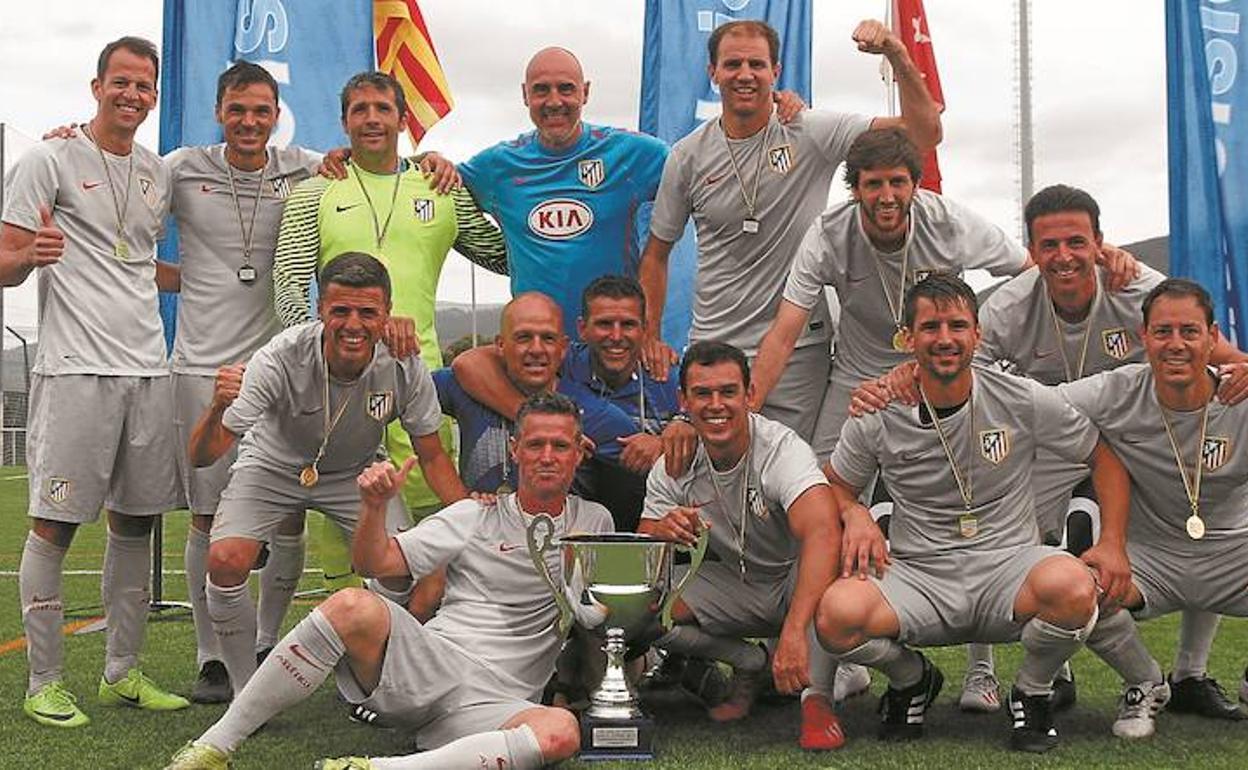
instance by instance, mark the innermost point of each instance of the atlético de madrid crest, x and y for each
(1215, 452)
(591, 172)
(423, 209)
(379, 405)
(1116, 342)
(780, 158)
(994, 445)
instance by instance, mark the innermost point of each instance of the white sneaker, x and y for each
(1138, 706)
(851, 681)
(981, 693)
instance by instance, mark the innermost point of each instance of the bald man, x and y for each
(565, 193)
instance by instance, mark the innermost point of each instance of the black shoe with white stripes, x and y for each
(1033, 722)
(902, 711)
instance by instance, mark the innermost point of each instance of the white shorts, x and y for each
(192, 393)
(433, 687)
(97, 441)
(258, 499)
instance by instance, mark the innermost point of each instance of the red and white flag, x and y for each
(910, 25)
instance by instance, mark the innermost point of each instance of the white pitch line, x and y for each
(95, 572)
(14, 478)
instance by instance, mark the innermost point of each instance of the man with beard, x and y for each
(964, 562)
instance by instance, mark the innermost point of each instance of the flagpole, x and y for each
(1026, 139)
(886, 69)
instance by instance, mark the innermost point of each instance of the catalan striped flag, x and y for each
(405, 51)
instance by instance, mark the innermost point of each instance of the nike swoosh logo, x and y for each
(1044, 353)
(91, 185)
(298, 652)
(710, 180)
(54, 717)
(205, 188)
(341, 209)
(505, 547)
(128, 698)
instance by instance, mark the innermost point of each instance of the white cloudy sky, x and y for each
(1098, 93)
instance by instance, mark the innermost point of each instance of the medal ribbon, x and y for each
(750, 201)
(380, 230)
(964, 483)
(1191, 487)
(248, 231)
(119, 207)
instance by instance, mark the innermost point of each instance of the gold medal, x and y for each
(968, 525)
(309, 476)
(504, 489)
(899, 341)
(121, 250)
(1195, 527)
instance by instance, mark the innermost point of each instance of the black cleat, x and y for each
(1064, 694)
(1032, 717)
(213, 684)
(705, 681)
(902, 711)
(363, 715)
(1203, 696)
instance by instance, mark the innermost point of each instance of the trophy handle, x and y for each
(538, 546)
(696, 552)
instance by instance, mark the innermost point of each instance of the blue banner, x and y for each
(1207, 90)
(310, 47)
(677, 95)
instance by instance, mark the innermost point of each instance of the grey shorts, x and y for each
(1212, 576)
(101, 441)
(433, 687)
(795, 399)
(1053, 479)
(833, 413)
(192, 393)
(726, 606)
(959, 597)
(257, 499)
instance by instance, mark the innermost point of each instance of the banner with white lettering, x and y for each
(677, 95)
(1207, 116)
(310, 47)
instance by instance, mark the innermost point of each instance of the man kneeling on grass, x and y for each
(467, 682)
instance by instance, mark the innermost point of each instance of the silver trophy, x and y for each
(615, 584)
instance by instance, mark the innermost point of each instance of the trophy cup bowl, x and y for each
(616, 584)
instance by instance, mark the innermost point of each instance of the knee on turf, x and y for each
(558, 734)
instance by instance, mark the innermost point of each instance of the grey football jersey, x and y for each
(741, 275)
(1123, 404)
(281, 407)
(221, 319)
(781, 468)
(945, 237)
(97, 314)
(496, 607)
(1013, 417)
(1018, 328)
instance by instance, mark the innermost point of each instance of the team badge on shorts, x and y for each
(780, 158)
(379, 405)
(147, 188)
(591, 172)
(1116, 342)
(58, 490)
(994, 445)
(281, 187)
(423, 207)
(1215, 452)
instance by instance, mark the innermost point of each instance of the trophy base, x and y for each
(616, 739)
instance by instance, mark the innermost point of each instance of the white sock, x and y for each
(1196, 635)
(1046, 646)
(39, 583)
(514, 749)
(284, 679)
(1116, 640)
(902, 666)
(979, 659)
(234, 623)
(195, 557)
(124, 590)
(278, 581)
(693, 641)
